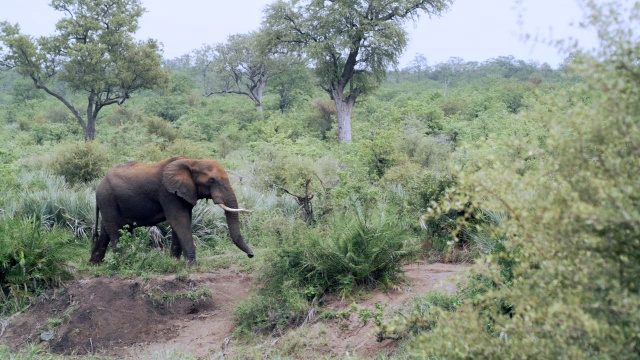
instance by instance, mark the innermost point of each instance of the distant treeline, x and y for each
(454, 71)
(457, 69)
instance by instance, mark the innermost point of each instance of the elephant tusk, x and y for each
(226, 208)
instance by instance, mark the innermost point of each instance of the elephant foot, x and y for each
(192, 263)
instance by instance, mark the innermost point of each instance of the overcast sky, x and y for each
(473, 30)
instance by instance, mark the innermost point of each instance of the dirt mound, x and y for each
(113, 317)
(131, 318)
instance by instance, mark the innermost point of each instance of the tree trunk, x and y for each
(89, 127)
(90, 131)
(258, 98)
(260, 113)
(344, 107)
(92, 113)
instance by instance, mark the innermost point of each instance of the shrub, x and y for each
(134, 255)
(160, 128)
(23, 91)
(80, 162)
(170, 108)
(420, 316)
(571, 228)
(379, 152)
(44, 132)
(359, 248)
(264, 313)
(31, 259)
(423, 187)
(454, 104)
(322, 117)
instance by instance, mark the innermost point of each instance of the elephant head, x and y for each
(194, 179)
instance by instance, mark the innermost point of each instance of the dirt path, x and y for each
(136, 318)
(351, 336)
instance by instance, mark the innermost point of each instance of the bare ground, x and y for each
(154, 317)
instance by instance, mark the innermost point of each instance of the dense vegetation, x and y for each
(530, 171)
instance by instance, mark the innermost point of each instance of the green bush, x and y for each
(266, 312)
(360, 248)
(170, 108)
(31, 259)
(80, 162)
(454, 104)
(423, 187)
(357, 249)
(160, 129)
(135, 256)
(567, 283)
(420, 316)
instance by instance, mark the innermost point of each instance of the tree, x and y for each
(292, 85)
(242, 65)
(351, 43)
(93, 52)
(419, 65)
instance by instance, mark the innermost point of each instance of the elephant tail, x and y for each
(95, 226)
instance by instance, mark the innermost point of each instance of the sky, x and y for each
(472, 30)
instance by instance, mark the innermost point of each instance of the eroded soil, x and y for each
(145, 317)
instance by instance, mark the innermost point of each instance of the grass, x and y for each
(418, 317)
(49, 198)
(168, 298)
(31, 352)
(136, 257)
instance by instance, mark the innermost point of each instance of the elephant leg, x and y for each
(180, 222)
(176, 248)
(100, 246)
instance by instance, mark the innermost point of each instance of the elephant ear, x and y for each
(177, 179)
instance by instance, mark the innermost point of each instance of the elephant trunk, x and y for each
(233, 222)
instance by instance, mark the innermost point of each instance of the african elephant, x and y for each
(137, 194)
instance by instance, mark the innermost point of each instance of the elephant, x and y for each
(138, 194)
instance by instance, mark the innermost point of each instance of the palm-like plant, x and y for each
(30, 259)
(361, 248)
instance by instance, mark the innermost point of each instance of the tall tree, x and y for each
(242, 65)
(351, 43)
(419, 65)
(92, 52)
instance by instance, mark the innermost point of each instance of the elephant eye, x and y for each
(211, 180)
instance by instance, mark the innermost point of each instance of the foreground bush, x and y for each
(32, 259)
(572, 224)
(361, 248)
